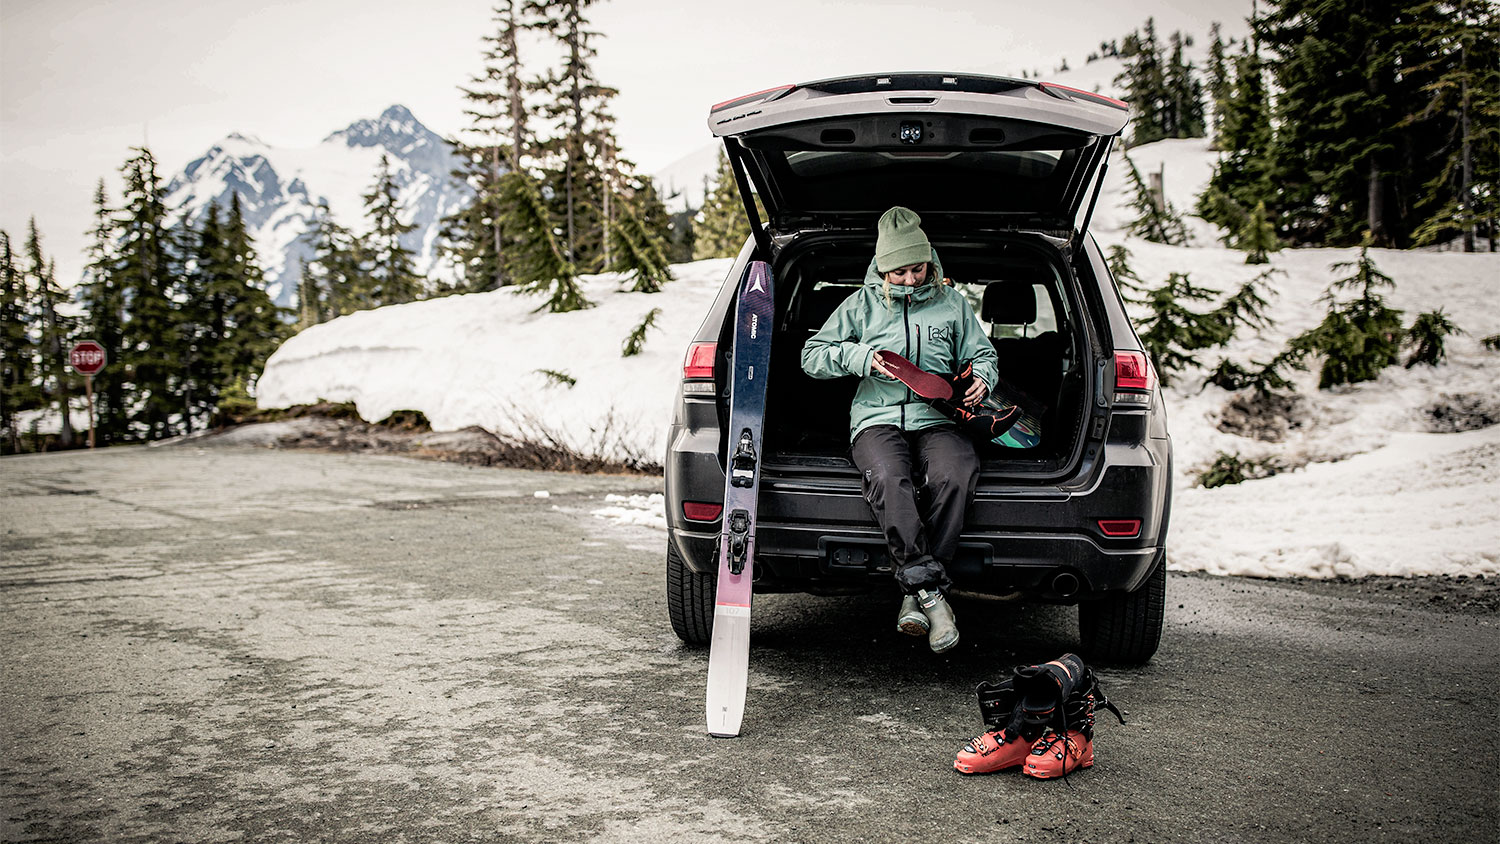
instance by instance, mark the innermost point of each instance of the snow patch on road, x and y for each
(643, 510)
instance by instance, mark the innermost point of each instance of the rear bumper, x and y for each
(1050, 567)
(819, 535)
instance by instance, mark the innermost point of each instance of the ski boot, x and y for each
(1059, 752)
(1041, 717)
(997, 748)
(912, 621)
(942, 633)
(992, 751)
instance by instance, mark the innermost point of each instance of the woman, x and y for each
(898, 440)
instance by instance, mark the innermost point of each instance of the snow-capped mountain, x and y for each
(280, 189)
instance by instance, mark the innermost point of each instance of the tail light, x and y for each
(1134, 378)
(702, 511)
(1120, 528)
(700, 361)
(759, 96)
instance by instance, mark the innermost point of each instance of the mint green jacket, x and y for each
(932, 326)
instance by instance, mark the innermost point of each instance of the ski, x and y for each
(729, 649)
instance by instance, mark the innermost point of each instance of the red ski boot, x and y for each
(1058, 754)
(990, 752)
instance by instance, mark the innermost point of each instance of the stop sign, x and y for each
(87, 358)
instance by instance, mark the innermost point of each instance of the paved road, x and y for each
(229, 644)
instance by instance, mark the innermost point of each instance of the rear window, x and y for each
(1026, 181)
(1046, 317)
(1030, 164)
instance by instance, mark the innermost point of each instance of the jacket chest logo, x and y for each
(940, 333)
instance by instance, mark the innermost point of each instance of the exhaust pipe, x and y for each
(1065, 584)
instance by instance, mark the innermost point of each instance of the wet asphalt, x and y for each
(239, 644)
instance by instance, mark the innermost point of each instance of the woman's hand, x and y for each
(877, 366)
(976, 392)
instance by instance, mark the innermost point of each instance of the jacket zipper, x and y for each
(906, 350)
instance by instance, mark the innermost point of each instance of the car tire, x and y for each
(1126, 628)
(690, 600)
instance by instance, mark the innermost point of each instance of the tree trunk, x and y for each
(1376, 215)
(1465, 209)
(499, 280)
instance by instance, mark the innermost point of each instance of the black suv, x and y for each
(1005, 174)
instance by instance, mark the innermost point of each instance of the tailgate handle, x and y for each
(911, 100)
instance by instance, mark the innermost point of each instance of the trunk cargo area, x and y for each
(1028, 304)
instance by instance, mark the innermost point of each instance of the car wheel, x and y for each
(690, 600)
(1126, 628)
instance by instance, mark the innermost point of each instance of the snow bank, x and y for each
(1423, 504)
(478, 359)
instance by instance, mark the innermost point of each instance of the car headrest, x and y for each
(1009, 303)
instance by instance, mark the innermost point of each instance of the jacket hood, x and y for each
(921, 293)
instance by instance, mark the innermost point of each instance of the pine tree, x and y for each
(253, 326)
(103, 304)
(392, 272)
(56, 333)
(537, 261)
(637, 337)
(1427, 335)
(1145, 85)
(1258, 236)
(574, 101)
(721, 229)
(682, 236)
(1218, 83)
(1246, 306)
(337, 271)
(1462, 41)
(311, 306)
(1132, 287)
(498, 114)
(146, 274)
(1244, 175)
(1344, 164)
(639, 249)
(18, 367)
(199, 314)
(1357, 338)
(1173, 331)
(1183, 109)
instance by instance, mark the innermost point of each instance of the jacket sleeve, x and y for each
(974, 344)
(836, 350)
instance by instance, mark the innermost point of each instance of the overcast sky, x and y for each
(82, 82)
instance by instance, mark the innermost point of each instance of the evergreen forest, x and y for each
(1337, 123)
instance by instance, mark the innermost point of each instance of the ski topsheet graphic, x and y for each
(729, 650)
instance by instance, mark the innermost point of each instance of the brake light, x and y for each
(1091, 96)
(1134, 377)
(700, 360)
(768, 94)
(702, 511)
(1120, 528)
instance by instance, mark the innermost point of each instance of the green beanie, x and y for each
(899, 240)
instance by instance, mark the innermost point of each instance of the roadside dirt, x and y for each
(336, 428)
(1444, 593)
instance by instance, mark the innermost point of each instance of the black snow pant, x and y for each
(895, 464)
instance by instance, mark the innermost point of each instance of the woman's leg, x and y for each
(884, 458)
(948, 466)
